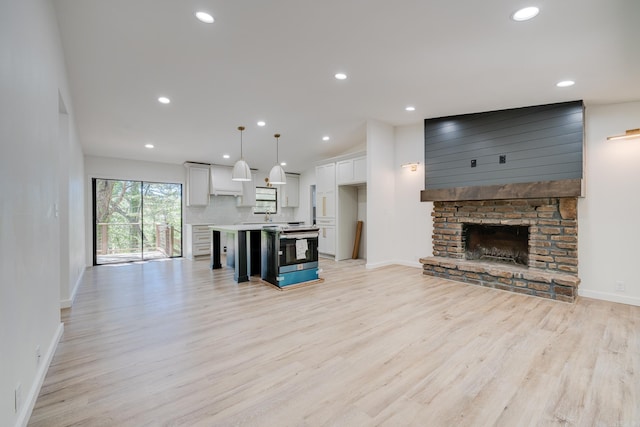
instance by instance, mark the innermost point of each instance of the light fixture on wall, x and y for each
(277, 176)
(241, 170)
(413, 166)
(629, 134)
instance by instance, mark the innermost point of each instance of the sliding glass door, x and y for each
(136, 220)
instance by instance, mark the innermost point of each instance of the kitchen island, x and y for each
(282, 254)
(243, 248)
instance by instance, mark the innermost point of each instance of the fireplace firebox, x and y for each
(499, 243)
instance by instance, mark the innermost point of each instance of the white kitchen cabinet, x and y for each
(290, 192)
(326, 238)
(198, 240)
(222, 184)
(197, 184)
(351, 171)
(326, 207)
(326, 177)
(248, 197)
(326, 204)
(326, 191)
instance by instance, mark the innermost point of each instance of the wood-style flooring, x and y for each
(173, 343)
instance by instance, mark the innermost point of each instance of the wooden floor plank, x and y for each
(173, 343)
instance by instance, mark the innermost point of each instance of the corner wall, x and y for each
(381, 174)
(413, 224)
(608, 232)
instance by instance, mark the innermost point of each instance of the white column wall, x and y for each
(35, 207)
(609, 231)
(413, 223)
(381, 174)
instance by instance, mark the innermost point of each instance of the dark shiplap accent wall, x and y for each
(541, 143)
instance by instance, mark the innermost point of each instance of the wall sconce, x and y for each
(629, 134)
(413, 166)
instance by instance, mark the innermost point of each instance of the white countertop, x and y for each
(242, 227)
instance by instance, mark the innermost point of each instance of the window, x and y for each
(266, 200)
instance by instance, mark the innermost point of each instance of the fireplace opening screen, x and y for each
(499, 243)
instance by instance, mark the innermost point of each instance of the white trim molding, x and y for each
(34, 391)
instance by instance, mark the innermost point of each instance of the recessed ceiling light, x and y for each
(204, 17)
(283, 164)
(325, 138)
(340, 76)
(261, 123)
(164, 100)
(148, 145)
(226, 156)
(525, 14)
(410, 108)
(565, 83)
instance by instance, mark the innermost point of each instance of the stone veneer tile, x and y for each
(553, 261)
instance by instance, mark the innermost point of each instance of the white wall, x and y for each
(381, 171)
(71, 207)
(38, 195)
(609, 232)
(414, 225)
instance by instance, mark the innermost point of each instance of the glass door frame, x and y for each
(142, 223)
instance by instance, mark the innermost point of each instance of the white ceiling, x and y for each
(275, 59)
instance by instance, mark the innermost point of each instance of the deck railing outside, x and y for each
(126, 238)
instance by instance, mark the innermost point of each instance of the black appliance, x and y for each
(289, 254)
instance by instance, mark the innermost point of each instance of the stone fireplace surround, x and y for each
(552, 270)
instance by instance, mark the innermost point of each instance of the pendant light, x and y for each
(241, 170)
(277, 176)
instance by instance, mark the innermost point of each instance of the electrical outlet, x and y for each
(38, 354)
(18, 398)
(620, 286)
(474, 163)
(503, 158)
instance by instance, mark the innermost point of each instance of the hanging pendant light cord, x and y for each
(277, 135)
(241, 128)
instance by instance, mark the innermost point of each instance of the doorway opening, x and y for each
(136, 221)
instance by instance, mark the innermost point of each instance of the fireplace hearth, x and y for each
(527, 246)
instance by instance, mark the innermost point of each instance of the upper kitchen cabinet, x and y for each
(326, 177)
(197, 184)
(290, 192)
(222, 184)
(352, 171)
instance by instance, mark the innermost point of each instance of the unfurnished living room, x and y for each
(290, 213)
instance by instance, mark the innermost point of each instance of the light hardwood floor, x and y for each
(172, 343)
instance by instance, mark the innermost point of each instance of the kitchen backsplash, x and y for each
(224, 210)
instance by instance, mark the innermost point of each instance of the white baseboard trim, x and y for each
(414, 264)
(67, 303)
(607, 296)
(30, 401)
(374, 265)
